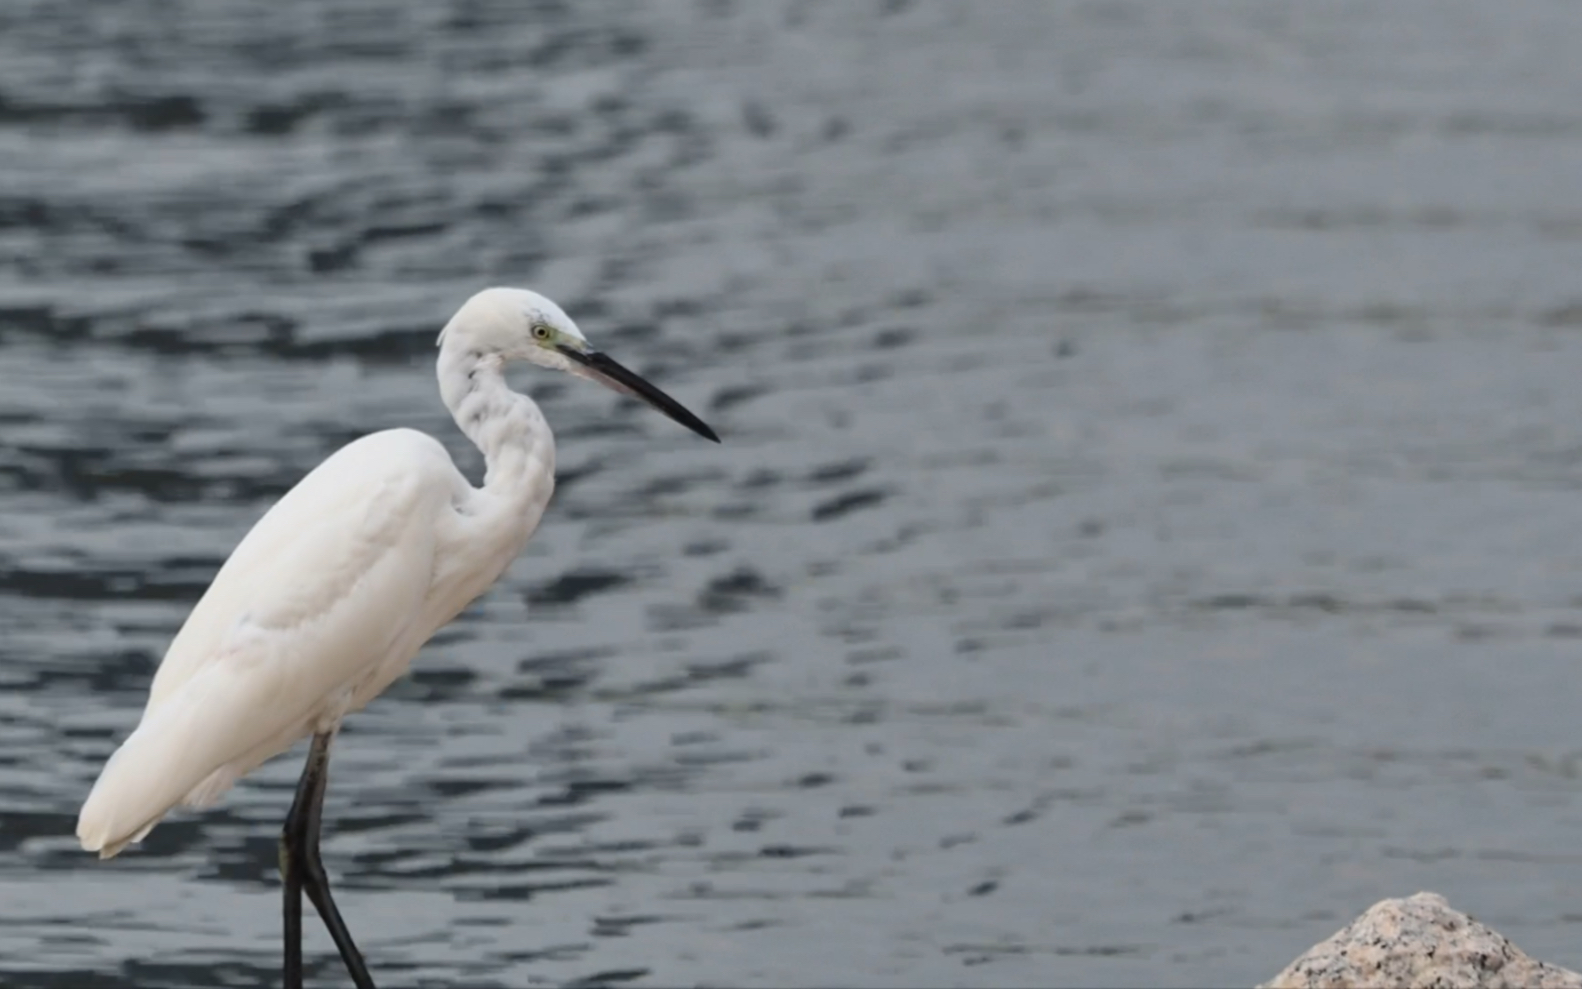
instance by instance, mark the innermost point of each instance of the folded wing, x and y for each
(319, 598)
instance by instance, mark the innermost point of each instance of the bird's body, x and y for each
(321, 606)
(328, 598)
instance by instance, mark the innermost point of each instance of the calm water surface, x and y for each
(1147, 531)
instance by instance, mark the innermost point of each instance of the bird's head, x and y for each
(515, 324)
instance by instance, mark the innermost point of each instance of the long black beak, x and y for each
(605, 370)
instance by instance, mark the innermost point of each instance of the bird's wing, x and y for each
(311, 547)
(310, 605)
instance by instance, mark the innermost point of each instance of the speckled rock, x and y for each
(1418, 943)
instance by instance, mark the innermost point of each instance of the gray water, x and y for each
(1146, 533)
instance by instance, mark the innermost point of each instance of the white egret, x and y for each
(327, 599)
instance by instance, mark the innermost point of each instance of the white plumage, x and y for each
(330, 595)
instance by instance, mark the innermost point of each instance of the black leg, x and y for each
(313, 772)
(303, 871)
(291, 882)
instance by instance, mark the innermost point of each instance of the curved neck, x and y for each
(508, 427)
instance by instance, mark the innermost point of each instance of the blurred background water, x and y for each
(1146, 532)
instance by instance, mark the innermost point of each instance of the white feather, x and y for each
(331, 594)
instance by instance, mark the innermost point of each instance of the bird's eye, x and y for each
(540, 331)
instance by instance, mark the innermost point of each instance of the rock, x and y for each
(1418, 943)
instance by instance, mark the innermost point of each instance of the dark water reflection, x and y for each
(1145, 533)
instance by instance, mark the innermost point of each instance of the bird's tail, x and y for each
(135, 789)
(188, 750)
